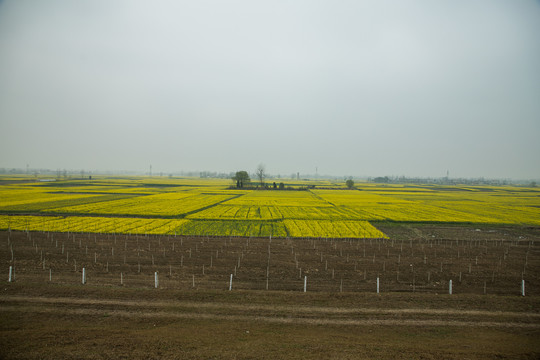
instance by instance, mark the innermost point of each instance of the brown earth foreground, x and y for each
(46, 313)
(76, 322)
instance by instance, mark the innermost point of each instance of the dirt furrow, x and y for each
(258, 307)
(267, 319)
(269, 313)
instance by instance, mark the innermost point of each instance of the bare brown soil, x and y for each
(339, 317)
(100, 322)
(416, 258)
(287, 314)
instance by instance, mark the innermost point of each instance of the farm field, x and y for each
(204, 207)
(195, 234)
(415, 258)
(105, 323)
(47, 313)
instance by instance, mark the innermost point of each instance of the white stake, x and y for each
(156, 280)
(450, 287)
(377, 285)
(522, 287)
(10, 274)
(84, 276)
(305, 283)
(230, 284)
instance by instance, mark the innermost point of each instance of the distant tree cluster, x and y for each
(381, 179)
(242, 179)
(444, 181)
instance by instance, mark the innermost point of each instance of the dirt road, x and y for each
(281, 314)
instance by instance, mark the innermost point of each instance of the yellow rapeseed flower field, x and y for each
(210, 207)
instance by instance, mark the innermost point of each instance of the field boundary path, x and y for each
(283, 314)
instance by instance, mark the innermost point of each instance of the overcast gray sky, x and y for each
(363, 88)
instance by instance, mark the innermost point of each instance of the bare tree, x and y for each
(261, 174)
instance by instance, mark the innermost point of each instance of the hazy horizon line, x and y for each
(224, 174)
